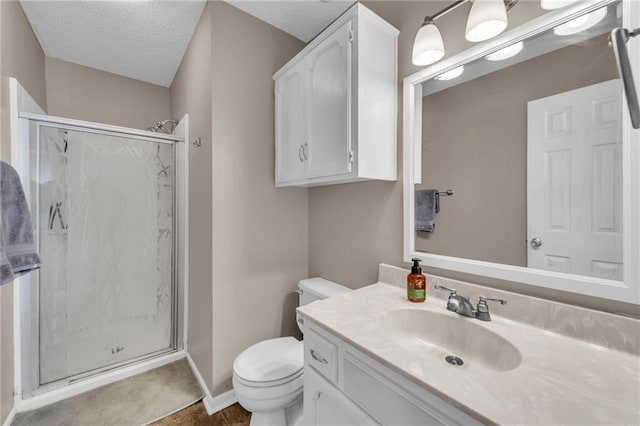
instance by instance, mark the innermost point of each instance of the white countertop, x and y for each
(561, 380)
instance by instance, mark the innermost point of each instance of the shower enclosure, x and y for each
(105, 205)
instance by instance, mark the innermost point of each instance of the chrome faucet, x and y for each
(482, 311)
(462, 306)
(458, 304)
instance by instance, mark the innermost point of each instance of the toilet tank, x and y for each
(316, 289)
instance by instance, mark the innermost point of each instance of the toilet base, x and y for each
(289, 416)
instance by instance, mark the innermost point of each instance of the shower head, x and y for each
(160, 126)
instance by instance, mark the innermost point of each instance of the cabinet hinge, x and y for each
(351, 156)
(350, 36)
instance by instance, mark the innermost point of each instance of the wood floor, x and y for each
(196, 415)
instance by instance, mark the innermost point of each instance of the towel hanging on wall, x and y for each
(18, 254)
(427, 205)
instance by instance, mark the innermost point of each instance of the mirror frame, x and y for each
(627, 290)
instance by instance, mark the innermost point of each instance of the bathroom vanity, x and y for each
(373, 357)
(344, 386)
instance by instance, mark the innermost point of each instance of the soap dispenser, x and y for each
(416, 283)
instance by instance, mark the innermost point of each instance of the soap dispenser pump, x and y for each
(416, 283)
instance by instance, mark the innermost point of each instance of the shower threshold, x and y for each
(62, 389)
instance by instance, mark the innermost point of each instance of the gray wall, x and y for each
(83, 93)
(260, 241)
(191, 93)
(248, 240)
(474, 138)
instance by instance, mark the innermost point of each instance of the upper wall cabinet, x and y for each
(336, 105)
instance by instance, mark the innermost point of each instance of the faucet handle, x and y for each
(482, 310)
(452, 291)
(454, 300)
(484, 300)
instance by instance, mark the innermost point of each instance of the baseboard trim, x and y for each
(211, 404)
(9, 419)
(220, 402)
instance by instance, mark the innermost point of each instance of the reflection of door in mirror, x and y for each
(474, 141)
(574, 181)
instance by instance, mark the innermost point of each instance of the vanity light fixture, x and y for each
(487, 19)
(450, 75)
(581, 23)
(427, 47)
(506, 52)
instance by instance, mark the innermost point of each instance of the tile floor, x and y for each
(196, 415)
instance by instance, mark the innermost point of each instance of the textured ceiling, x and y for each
(144, 40)
(303, 19)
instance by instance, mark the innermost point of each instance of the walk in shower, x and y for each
(105, 205)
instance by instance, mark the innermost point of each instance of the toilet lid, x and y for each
(270, 360)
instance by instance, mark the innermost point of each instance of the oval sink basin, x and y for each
(427, 333)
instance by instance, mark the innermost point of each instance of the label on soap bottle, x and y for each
(417, 293)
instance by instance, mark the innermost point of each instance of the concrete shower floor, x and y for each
(137, 400)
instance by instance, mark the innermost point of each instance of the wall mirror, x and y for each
(524, 147)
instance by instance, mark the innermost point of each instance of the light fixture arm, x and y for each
(619, 37)
(453, 6)
(430, 19)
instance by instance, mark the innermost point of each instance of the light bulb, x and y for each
(450, 75)
(506, 52)
(581, 23)
(487, 19)
(427, 46)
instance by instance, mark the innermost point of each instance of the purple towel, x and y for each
(18, 254)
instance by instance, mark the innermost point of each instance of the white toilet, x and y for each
(267, 377)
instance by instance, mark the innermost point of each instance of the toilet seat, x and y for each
(270, 363)
(268, 384)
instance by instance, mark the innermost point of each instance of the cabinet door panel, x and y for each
(326, 405)
(290, 163)
(329, 105)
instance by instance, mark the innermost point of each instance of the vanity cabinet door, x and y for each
(328, 73)
(326, 405)
(290, 130)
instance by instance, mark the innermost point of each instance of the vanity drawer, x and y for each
(393, 402)
(321, 354)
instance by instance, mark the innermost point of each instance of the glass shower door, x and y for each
(106, 234)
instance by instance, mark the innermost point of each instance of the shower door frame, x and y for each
(31, 382)
(24, 112)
